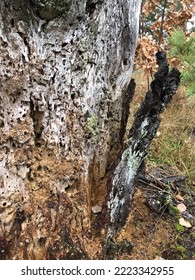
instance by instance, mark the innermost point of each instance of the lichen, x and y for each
(94, 26)
(92, 126)
(123, 187)
(144, 125)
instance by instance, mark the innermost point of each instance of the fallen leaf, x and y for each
(181, 207)
(184, 223)
(179, 197)
(158, 258)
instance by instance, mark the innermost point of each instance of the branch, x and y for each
(162, 22)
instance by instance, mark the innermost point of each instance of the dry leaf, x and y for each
(158, 258)
(158, 133)
(184, 223)
(179, 197)
(181, 207)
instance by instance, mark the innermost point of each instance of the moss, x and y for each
(179, 228)
(193, 235)
(173, 210)
(181, 250)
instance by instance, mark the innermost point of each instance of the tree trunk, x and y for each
(65, 71)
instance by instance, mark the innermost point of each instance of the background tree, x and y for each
(158, 20)
(182, 49)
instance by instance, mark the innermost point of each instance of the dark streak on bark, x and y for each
(127, 98)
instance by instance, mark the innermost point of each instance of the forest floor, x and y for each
(161, 224)
(154, 229)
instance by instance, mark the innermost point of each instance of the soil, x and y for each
(154, 233)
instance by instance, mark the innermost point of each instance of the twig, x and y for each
(152, 185)
(162, 22)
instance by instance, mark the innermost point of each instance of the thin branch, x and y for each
(162, 22)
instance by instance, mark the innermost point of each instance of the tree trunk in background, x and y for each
(65, 71)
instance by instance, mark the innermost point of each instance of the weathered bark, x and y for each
(121, 183)
(65, 70)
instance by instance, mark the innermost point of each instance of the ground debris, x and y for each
(184, 223)
(114, 249)
(178, 179)
(160, 183)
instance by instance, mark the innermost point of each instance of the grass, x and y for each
(174, 144)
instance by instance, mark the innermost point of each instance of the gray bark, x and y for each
(64, 71)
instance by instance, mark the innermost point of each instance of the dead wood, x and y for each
(121, 183)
